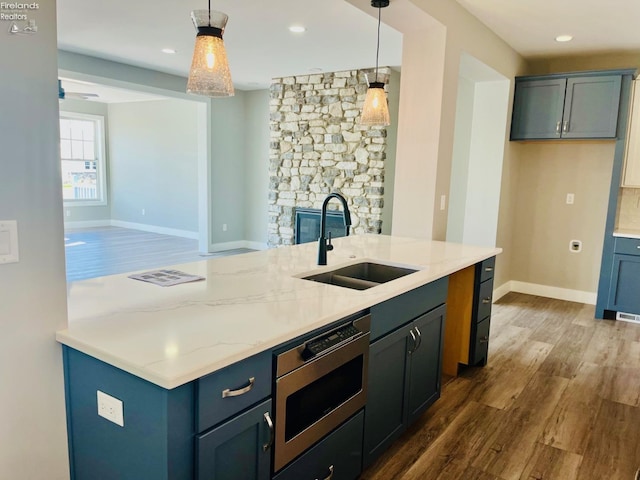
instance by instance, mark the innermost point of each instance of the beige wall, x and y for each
(545, 224)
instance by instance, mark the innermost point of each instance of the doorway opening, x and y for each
(478, 153)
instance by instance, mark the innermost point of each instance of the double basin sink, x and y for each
(360, 276)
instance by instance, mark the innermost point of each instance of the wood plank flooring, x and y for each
(558, 400)
(95, 252)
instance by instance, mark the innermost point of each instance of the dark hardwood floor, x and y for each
(559, 399)
(95, 252)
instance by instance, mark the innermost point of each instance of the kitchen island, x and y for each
(128, 336)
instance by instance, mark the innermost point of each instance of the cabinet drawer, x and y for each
(486, 269)
(627, 246)
(392, 314)
(483, 307)
(339, 452)
(225, 393)
(481, 342)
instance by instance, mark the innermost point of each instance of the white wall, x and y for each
(153, 159)
(32, 292)
(460, 162)
(256, 180)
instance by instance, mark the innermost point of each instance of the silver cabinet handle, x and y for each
(486, 300)
(484, 339)
(268, 445)
(415, 342)
(488, 269)
(565, 126)
(241, 391)
(558, 127)
(419, 339)
(638, 247)
(330, 473)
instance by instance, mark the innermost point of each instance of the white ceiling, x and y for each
(339, 36)
(530, 26)
(259, 45)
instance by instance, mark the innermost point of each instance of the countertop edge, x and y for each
(65, 337)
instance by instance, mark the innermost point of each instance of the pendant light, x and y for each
(209, 74)
(375, 111)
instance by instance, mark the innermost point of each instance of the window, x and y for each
(82, 159)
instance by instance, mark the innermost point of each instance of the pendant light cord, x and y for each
(378, 45)
(209, 12)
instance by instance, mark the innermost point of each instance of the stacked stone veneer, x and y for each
(318, 147)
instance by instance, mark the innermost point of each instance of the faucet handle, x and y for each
(329, 246)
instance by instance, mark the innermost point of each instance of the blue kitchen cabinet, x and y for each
(166, 429)
(537, 108)
(404, 364)
(625, 284)
(336, 457)
(239, 449)
(423, 386)
(581, 105)
(624, 294)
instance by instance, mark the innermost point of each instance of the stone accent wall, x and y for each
(318, 147)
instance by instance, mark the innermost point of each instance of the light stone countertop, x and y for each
(627, 232)
(248, 303)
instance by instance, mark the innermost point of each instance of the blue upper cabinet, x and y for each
(566, 106)
(537, 109)
(591, 107)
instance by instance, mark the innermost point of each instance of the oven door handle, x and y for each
(330, 473)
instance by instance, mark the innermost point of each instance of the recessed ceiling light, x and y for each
(297, 29)
(564, 38)
(169, 50)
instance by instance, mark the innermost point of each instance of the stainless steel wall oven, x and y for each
(319, 384)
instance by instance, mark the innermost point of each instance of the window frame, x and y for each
(101, 170)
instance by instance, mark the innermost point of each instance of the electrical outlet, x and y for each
(443, 202)
(144, 212)
(575, 246)
(224, 227)
(570, 198)
(110, 408)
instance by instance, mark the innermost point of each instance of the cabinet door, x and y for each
(625, 284)
(425, 367)
(235, 450)
(591, 107)
(537, 109)
(385, 410)
(631, 176)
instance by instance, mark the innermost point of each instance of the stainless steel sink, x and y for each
(360, 276)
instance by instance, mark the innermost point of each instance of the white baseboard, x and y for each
(155, 229)
(256, 245)
(88, 224)
(220, 247)
(553, 292)
(501, 291)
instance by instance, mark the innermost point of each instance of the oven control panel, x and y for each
(325, 342)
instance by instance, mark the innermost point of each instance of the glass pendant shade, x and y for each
(375, 111)
(210, 74)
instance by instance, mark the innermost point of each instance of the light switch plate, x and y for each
(9, 241)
